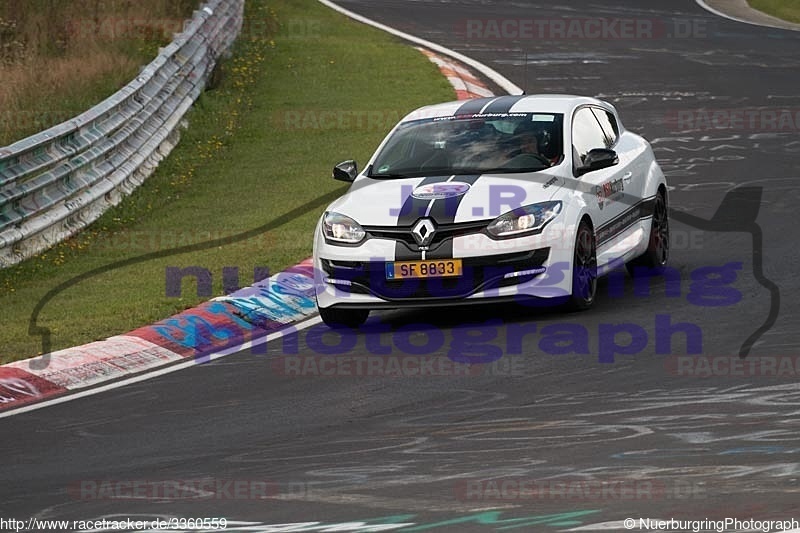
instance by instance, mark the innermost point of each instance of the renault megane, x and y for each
(491, 199)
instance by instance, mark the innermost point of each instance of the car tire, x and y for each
(584, 269)
(343, 318)
(655, 258)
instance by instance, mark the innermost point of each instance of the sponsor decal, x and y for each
(613, 187)
(608, 190)
(440, 191)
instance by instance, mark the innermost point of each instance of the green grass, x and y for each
(785, 9)
(303, 91)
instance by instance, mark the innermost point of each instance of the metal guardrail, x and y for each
(57, 182)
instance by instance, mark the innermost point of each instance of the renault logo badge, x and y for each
(423, 231)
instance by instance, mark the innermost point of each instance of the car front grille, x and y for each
(444, 233)
(479, 274)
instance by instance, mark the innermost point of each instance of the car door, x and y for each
(610, 189)
(633, 175)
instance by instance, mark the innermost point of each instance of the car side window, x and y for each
(608, 123)
(587, 134)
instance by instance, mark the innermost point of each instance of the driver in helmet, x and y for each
(534, 140)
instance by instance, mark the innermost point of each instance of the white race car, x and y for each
(505, 198)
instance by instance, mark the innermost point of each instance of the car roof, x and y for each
(530, 103)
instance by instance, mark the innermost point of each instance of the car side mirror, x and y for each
(596, 159)
(346, 171)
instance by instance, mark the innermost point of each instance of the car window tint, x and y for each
(586, 133)
(608, 123)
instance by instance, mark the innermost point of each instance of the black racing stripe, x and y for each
(412, 210)
(503, 104)
(648, 207)
(470, 107)
(404, 253)
(444, 212)
(444, 251)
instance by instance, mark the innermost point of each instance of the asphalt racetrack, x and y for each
(537, 440)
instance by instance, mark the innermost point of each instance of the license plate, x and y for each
(442, 268)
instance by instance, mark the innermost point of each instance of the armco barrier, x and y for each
(57, 182)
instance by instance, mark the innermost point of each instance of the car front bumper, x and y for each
(535, 266)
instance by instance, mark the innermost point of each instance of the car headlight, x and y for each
(340, 228)
(528, 219)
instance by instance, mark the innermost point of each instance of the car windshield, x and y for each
(472, 144)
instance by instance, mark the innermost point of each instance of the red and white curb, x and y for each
(222, 326)
(466, 84)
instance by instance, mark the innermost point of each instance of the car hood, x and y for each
(445, 199)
